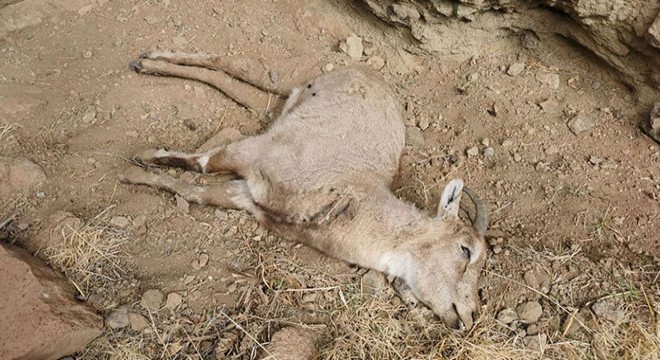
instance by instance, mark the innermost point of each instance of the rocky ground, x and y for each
(541, 129)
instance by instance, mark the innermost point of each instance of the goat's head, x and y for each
(447, 261)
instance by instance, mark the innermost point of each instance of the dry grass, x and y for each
(274, 289)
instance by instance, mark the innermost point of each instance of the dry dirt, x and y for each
(574, 217)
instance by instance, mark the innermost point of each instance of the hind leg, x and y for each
(230, 195)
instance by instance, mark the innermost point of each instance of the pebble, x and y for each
(138, 322)
(608, 310)
(489, 152)
(221, 215)
(516, 69)
(89, 116)
(517, 157)
(549, 80)
(580, 123)
(507, 316)
(41, 195)
(472, 152)
(179, 41)
(593, 160)
(328, 67)
(121, 222)
(188, 279)
(507, 143)
(551, 150)
(376, 62)
(118, 319)
(23, 226)
(414, 136)
(485, 142)
(200, 262)
(352, 46)
(550, 107)
(423, 123)
(152, 300)
(310, 297)
(182, 204)
(151, 19)
(274, 76)
(173, 300)
(529, 312)
(87, 54)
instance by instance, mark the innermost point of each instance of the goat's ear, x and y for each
(450, 200)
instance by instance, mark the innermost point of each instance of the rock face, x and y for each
(624, 33)
(39, 317)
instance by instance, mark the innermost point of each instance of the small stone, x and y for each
(87, 54)
(274, 76)
(532, 329)
(485, 142)
(472, 152)
(549, 80)
(652, 125)
(489, 152)
(551, 150)
(173, 300)
(152, 300)
(423, 123)
(89, 116)
(131, 133)
(653, 33)
(138, 322)
(179, 41)
(121, 222)
(310, 297)
(507, 143)
(328, 67)
(151, 19)
(516, 69)
(41, 195)
(414, 136)
(220, 215)
(352, 46)
(608, 310)
(182, 204)
(507, 316)
(23, 226)
(618, 220)
(529, 312)
(376, 62)
(580, 123)
(203, 260)
(550, 107)
(118, 319)
(517, 157)
(593, 160)
(497, 249)
(188, 279)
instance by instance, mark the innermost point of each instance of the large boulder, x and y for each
(624, 33)
(39, 316)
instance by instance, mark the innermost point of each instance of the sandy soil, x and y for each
(574, 216)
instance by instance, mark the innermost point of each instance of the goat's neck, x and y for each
(396, 227)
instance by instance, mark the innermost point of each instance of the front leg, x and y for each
(213, 161)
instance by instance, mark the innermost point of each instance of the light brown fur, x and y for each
(321, 175)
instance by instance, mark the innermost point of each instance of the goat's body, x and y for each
(321, 175)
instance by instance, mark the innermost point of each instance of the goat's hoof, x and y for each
(136, 65)
(149, 157)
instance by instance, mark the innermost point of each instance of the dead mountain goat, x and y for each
(321, 175)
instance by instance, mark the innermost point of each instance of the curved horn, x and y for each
(480, 220)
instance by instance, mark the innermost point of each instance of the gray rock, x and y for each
(152, 300)
(529, 312)
(173, 300)
(489, 152)
(472, 152)
(118, 319)
(352, 46)
(414, 136)
(138, 322)
(608, 310)
(516, 69)
(549, 80)
(580, 123)
(507, 316)
(121, 222)
(550, 107)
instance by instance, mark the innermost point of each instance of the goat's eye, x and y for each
(466, 252)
